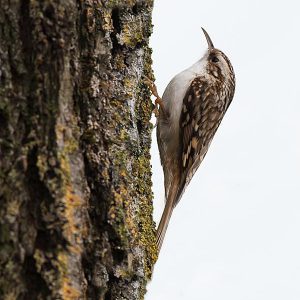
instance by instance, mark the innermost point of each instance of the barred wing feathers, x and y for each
(202, 112)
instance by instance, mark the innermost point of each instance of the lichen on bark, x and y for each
(76, 200)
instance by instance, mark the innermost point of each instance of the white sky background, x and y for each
(235, 233)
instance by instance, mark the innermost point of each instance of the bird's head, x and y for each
(217, 63)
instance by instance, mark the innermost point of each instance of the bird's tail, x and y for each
(164, 221)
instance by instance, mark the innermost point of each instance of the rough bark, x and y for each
(75, 179)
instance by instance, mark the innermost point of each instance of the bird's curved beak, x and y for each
(209, 42)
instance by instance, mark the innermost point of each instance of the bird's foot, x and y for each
(158, 101)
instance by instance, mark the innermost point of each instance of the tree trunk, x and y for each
(75, 179)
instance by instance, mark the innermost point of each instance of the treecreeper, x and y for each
(190, 112)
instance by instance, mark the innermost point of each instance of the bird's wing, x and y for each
(200, 117)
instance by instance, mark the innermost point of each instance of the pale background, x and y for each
(235, 233)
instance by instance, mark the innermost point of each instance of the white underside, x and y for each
(173, 98)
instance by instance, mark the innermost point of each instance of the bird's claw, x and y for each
(151, 85)
(158, 101)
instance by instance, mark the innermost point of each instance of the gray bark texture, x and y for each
(75, 133)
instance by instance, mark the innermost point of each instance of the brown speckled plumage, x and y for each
(194, 105)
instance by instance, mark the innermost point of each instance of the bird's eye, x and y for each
(214, 59)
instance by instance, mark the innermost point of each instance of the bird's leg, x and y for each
(158, 101)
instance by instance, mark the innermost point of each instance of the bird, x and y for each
(189, 114)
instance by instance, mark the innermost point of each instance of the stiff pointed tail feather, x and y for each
(165, 219)
(163, 225)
